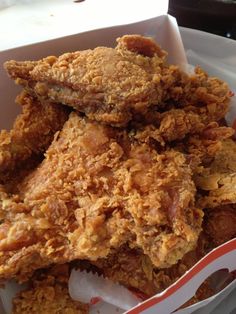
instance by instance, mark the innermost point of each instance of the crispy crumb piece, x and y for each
(48, 294)
(217, 181)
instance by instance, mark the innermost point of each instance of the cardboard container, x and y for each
(165, 31)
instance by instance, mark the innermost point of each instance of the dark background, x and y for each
(213, 16)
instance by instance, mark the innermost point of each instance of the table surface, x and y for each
(34, 21)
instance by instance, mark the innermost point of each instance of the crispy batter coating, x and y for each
(98, 189)
(129, 267)
(32, 133)
(106, 84)
(123, 199)
(200, 146)
(218, 180)
(48, 294)
(198, 92)
(117, 85)
(136, 271)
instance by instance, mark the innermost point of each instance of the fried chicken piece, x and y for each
(218, 180)
(131, 268)
(201, 145)
(176, 124)
(107, 84)
(97, 189)
(190, 102)
(32, 133)
(130, 82)
(198, 93)
(136, 271)
(48, 294)
(220, 224)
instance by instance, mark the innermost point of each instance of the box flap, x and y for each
(44, 20)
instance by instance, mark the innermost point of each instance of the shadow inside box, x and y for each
(227, 306)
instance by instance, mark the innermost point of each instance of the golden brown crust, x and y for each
(198, 92)
(144, 46)
(135, 270)
(218, 180)
(96, 190)
(32, 133)
(48, 294)
(124, 199)
(107, 84)
(113, 86)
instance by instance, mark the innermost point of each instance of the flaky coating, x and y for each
(115, 86)
(218, 180)
(96, 190)
(199, 143)
(31, 135)
(135, 270)
(196, 92)
(107, 84)
(48, 294)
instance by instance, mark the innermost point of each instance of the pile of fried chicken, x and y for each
(119, 162)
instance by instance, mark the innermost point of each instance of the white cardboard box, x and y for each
(164, 29)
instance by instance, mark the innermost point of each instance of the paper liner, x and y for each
(215, 54)
(93, 289)
(8, 293)
(90, 288)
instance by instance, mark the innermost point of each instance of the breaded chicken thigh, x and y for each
(96, 190)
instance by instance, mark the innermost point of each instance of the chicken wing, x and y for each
(97, 189)
(48, 294)
(32, 133)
